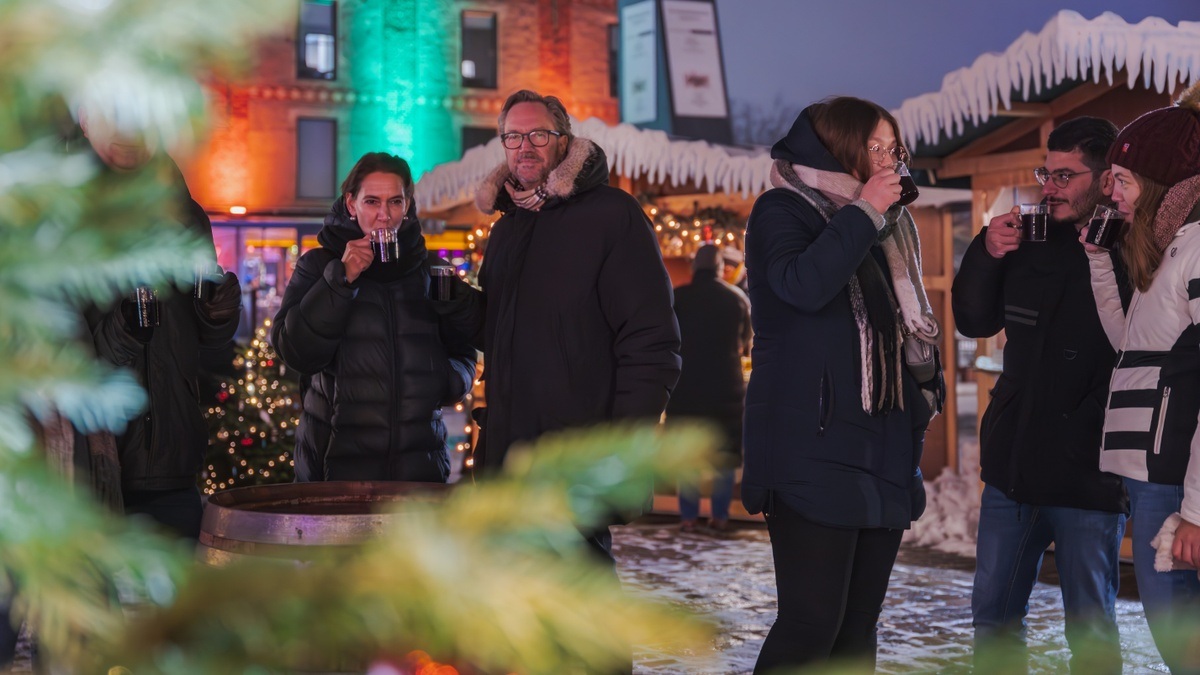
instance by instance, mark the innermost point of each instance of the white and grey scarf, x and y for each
(881, 337)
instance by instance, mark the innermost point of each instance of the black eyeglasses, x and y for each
(1061, 178)
(538, 138)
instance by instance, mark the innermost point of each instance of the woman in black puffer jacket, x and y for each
(378, 364)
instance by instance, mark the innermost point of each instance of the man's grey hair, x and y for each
(562, 121)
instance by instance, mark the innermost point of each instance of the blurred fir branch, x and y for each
(497, 577)
(69, 238)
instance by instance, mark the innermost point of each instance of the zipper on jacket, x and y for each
(823, 404)
(393, 417)
(1162, 419)
(148, 430)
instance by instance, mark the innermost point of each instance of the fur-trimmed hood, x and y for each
(584, 168)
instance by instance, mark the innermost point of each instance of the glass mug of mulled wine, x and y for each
(1034, 218)
(386, 243)
(207, 276)
(908, 187)
(1105, 227)
(441, 282)
(145, 307)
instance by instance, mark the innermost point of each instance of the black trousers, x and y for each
(179, 511)
(8, 634)
(831, 583)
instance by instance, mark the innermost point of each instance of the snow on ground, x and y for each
(952, 508)
(925, 626)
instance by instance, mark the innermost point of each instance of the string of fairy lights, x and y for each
(253, 422)
(679, 235)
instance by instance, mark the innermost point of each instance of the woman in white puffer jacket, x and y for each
(1150, 427)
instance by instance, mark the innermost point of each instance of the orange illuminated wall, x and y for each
(419, 110)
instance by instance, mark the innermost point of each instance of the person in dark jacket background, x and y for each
(835, 420)
(162, 450)
(574, 316)
(715, 333)
(363, 331)
(1040, 435)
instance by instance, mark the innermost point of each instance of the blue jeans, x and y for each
(1012, 540)
(722, 494)
(1167, 597)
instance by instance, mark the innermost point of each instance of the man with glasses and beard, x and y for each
(575, 316)
(1040, 435)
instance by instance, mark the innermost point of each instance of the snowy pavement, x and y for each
(926, 621)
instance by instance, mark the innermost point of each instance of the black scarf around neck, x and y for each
(875, 312)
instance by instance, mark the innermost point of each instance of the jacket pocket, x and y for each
(824, 402)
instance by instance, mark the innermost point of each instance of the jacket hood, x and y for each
(584, 167)
(802, 146)
(1181, 205)
(339, 230)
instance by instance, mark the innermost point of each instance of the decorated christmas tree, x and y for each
(252, 423)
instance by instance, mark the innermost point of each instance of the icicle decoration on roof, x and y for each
(631, 151)
(1067, 47)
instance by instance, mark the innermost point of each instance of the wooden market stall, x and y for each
(987, 126)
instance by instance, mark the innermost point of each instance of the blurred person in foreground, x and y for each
(362, 329)
(1040, 435)
(837, 404)
(715, 333)
(574, 316)
(161, 451)
(1150, 426)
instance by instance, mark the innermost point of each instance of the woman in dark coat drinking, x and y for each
(361, 328)
(845, 378)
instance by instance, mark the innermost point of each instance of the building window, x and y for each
(479, 49)
(614, 60)
(316, 41)
(476, 136)
(316, 158)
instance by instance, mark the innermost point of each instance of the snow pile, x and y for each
(951, 516)
(1066, 48)
(631, 151)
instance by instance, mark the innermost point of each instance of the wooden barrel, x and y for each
(292, 521)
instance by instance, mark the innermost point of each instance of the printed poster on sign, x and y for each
(694, 59)
(639, 63)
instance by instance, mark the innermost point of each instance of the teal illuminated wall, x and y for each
(401, 57)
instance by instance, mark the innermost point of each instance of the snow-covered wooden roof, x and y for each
(631, 151)
(1068, 47)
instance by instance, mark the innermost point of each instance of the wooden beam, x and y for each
(1008, 161)
(1023, 109)
(1085, 93)
(684, 204)
(1034, 115)
(1003, 180)
(997, 139)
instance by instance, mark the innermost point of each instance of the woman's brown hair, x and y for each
(378, 162)
(844, 124)
(1138, 250)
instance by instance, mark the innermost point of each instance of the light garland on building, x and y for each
(680, 235)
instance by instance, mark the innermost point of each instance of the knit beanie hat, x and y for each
(706, 258)
(1163, 145)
